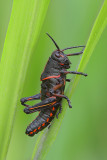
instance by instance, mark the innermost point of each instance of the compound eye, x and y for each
(57, 55)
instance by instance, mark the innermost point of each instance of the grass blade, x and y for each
(5, 12)
(47, 137)
(23, 31)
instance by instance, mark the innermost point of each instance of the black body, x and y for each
(52, 90)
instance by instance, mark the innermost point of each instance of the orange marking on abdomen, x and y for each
(43, 124)
(31, 133)
(53, 108)
(47, 120)
(50, 77)
(51, 114)
(39, 127)
(34, 130)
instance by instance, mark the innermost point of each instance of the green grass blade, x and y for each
(47, 137)
(24, 27)
(5, 12)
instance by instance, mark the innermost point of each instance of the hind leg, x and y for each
(46, 103)
(35, 97)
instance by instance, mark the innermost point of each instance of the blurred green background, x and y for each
(83, 134)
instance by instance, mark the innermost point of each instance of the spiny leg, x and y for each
(73, 72)
(25, 99)
(46, 103)
(63, 96)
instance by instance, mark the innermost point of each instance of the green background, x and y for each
(83, 134)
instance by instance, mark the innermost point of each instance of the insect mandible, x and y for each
(52, 89)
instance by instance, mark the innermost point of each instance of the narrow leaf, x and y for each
(23, 31)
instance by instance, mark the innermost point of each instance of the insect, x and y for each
(52, 89)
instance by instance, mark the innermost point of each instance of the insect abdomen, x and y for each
(42, 121)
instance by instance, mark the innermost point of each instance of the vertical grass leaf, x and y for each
(24, 27)
(47, 137)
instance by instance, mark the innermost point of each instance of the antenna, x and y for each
(54, 42)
